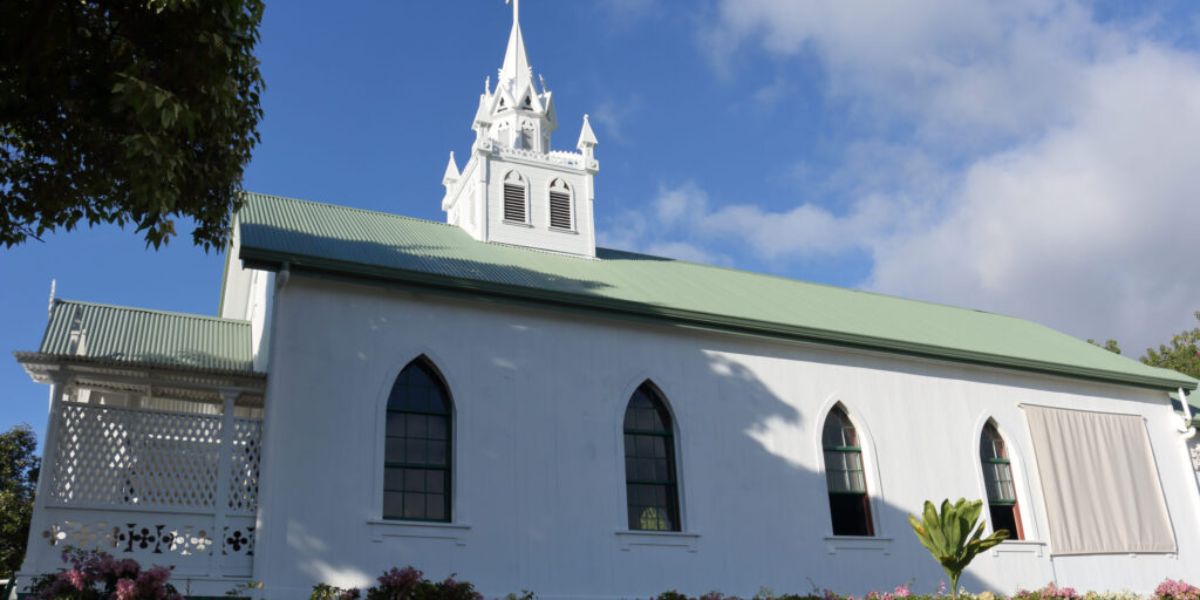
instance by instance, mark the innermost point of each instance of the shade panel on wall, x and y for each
(1100, 482)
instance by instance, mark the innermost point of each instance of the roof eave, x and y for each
(273, 260)
(38, 366)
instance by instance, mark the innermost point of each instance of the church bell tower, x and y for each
(514, 189)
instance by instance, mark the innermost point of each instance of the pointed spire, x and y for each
(451, 174)
(516, 62)
(587, 138)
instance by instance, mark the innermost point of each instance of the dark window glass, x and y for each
(845, 476)
(998, 478)
(416, 477)
(650, 488)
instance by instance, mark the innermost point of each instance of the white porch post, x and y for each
(224, 467)
(60, 384)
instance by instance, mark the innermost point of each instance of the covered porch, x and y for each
(151, 459)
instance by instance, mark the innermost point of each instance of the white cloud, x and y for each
(612, 115)
(1053, 171)
(1092, 228)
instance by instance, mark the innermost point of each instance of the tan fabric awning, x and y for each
(1100, 483)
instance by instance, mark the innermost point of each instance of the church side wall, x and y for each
(539, 499)
(235, 287)
(247, 295)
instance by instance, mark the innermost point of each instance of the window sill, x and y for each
(383, 528)
(562, 230)
(517, 223)
(663, 539)
(1019, 547)
(839, 543)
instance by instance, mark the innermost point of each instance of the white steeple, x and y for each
(515, 189)
(516, 70)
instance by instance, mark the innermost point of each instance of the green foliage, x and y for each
(954, 535)
(324, 591)
(1110, 345)
(1182, 354)
(126, 111)
(19, 467)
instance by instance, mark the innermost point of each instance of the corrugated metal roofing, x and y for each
(136, 335)
(341, 239)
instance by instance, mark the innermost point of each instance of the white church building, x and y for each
(498, 398)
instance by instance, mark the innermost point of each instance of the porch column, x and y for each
(224, 467)
(60, 384)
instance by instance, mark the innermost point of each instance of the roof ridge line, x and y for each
(153, 311)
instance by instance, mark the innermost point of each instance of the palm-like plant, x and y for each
(954, 536)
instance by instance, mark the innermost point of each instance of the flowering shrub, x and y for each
(402, 584)
(323, 591)
(96, 575)
(1171, 589)
(410, 584)
(901, 591)
(1050, 592)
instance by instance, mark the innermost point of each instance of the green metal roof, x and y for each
(138, 336)
(348, 241)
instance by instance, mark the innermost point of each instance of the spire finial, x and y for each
(451, 175)
(587, 138)
(515, 72)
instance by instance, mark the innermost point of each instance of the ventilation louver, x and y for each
(514, 203)
(560, 210)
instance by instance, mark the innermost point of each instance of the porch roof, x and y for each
(346, 241)
(121, 335)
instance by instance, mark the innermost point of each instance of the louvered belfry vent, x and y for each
(514, 203)
(560, 210)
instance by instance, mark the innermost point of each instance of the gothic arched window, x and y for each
(998, 478)
(849, 502)
(650, 483)
(515, 197)
(417, 451)
(560, 205)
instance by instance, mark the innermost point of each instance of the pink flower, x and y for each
(400, 578)
(902, 591)
(1176, 589)
(126, 589)
(76, 578)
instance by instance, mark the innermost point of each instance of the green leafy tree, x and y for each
(126, 111)
(1110, 345)
(954, 535)
(1181, 354)
(18, 477)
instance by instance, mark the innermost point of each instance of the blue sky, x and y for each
(1033, 158)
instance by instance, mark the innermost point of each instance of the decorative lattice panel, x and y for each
(188, 544)
(121, 456)
(243, 475)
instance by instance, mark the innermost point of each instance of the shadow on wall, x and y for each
(749, 470)
(749, 478)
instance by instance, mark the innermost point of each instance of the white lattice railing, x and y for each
(110, 456)
(153, 485)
